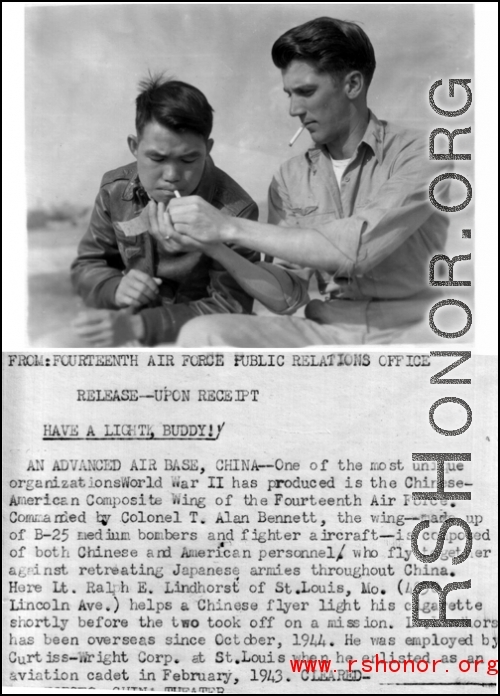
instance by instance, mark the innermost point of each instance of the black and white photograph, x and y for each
(249, 368)
(255, 176)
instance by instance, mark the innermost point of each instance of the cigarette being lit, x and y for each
(166, 213)
(296, 136)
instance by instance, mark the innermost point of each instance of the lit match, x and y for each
(296, 136)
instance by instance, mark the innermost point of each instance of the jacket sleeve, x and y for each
(280, 212)
(98, 268)
(224, 296)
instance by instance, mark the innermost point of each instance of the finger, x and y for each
(164, 222)
(124, 296)
(186, 201)
(160, 235)
(169, 228)
(145, 297)
(104, 341)
(103, 338)
(90, 326)
(143, 294)
(93, 316)
(184, 229)
(162, 226)
(131, 301)
(183, 215)
(158, 281)
(143, 285)
(136, 273)
(186, 242)
(91, 332)
(156, 235)
(161, 210)
(153, 217)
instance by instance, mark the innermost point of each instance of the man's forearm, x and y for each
(275, 290)
(306, 247)
(193, 217)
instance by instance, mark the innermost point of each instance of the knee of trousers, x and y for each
(200, 332)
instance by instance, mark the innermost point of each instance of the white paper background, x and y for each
(304, 414)
(485, 159)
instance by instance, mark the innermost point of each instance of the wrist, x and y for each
(230, 231)
(106, 295)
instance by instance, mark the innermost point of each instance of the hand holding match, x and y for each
(194, 217)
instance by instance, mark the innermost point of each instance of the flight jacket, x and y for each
(192, 284)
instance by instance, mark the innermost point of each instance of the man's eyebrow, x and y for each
(191, 153)
(152, 151)
(158, 153)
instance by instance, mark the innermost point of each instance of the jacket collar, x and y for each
(373, 138)
(134, 187)
(205, 189)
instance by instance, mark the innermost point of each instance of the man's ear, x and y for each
(210, 144)
(354, 83)
(133, 144)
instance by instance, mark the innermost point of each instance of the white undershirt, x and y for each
(339, 167)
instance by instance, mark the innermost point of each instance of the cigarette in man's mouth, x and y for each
(296, 136)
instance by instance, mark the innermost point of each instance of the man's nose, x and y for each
(170, 173)
(297, 107)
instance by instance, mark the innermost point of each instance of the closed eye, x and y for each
(301, 92)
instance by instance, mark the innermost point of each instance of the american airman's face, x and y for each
(318, 99)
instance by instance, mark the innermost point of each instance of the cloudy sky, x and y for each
(83, 64)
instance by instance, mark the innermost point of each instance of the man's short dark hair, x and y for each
(334, 46)
(173, 104)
